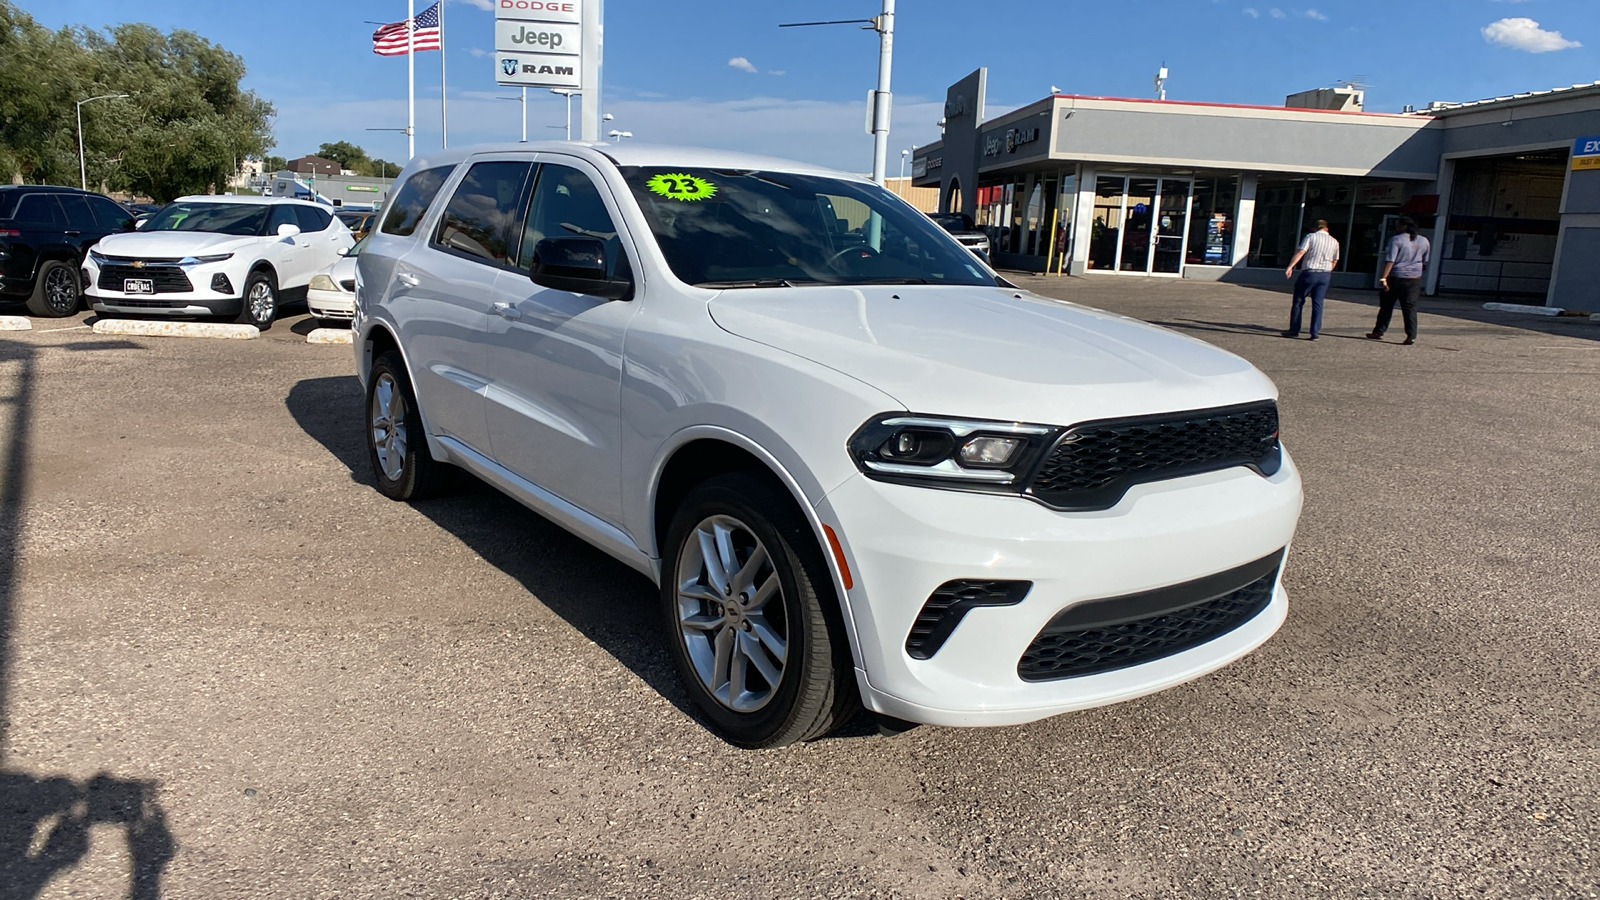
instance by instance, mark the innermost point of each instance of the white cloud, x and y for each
(742, 64)
(1526, 35)
(1277, 13)
(485, 5)
(478, 52)
(1313, 14)
(1251, 12)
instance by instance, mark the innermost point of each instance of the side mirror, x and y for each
(577, 265)
(288, 231)
(343, 251)
(981, 255)
(140, 223)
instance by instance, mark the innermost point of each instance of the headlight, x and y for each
(323, 283)
(200, 260)
(935, 451)
(96, 258)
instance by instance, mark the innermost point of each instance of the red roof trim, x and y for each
(1328, 112)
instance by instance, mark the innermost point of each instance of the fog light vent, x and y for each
(221, 284)
(948, 605)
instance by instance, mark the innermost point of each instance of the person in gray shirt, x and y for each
(1319, 252)
(1403, 264)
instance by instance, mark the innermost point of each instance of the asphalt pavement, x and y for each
(230, 668)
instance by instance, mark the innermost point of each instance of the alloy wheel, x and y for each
(389, 426)
(61, 290)
(731, 613)
(262, 303)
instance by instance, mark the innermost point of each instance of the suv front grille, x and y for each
(164, 279)
(1094, 463)
(1103, 635)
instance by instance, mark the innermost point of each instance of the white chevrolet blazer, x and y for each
(862, 467)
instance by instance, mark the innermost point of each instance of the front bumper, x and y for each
(331, 304)
(200, 301)
(904, 542)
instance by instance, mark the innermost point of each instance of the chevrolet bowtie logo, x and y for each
(138, 264)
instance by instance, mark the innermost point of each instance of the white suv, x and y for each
(857, 462)
(215, 255)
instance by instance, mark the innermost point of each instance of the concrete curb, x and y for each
(330, 336)
(141, 328)
(1524, 308)
(15, 323)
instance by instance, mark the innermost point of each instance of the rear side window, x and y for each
(8, 202)
(411, 203)
(479, 219)
(107, 214)
(78, 214)
(282, 214)
(312, 219)
(40, 209)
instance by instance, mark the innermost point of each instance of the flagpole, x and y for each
(411, 78)
(444, 101)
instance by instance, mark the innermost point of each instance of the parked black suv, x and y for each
(44, 234)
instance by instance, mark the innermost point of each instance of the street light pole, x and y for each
(567, 94)
(83, 171)
(524, 115)
(883, 24)
(903, 155)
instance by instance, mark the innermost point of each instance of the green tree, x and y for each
(274, 164)
(183, 129)
(346, 154)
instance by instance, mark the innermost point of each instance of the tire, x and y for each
(397, 447)
(56, 292)
(258, 305)
(728, 643)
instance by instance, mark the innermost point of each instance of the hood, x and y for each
(993, 353)
(171, 244)
(341, 269)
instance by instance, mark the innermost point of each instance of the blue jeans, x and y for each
(1316, 285)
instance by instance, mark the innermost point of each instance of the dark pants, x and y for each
(1314, 284)
(1406, 291)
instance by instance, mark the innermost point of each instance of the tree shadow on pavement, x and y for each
(45, 822)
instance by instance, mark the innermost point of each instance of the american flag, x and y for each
(390, 40)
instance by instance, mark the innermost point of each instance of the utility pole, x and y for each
(883, 24)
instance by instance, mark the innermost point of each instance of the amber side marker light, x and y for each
(838, 554)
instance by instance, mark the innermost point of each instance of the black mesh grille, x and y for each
(138, 303)
(949, 604)
(164, 279)
(1095, 463)
(1069, 653)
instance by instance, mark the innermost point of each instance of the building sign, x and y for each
(539, 43)
(1014, 138)
(369, 188)
(1586, 153)
(919, 167)
(1381, 193)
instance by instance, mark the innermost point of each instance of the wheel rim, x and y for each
(60, 290)
(731, 614)
(261, 301)
(389, 426)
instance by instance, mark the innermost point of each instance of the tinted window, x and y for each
(8, 202)
(312, 219)
(107, 214)
(483, 210)
(411, 204)
(282, 214)
(79, 218)
(40, 209)
(216, 218)
(565, 202)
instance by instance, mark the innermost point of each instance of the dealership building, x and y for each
(1507, 188)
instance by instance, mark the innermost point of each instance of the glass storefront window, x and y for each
(1211, 228)
(1276, 230)
(1107, 222)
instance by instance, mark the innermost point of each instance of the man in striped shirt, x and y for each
(1320, 253)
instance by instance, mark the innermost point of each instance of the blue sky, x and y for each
(668, 75)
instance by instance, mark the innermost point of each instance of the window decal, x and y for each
(678, 186)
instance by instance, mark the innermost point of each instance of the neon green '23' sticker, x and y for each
(678, 186)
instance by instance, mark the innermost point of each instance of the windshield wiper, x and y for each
(889, 281)
(748, 283)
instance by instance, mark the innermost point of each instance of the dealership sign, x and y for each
(1586, 153)
(539, 43)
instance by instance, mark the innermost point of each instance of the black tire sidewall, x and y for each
(39, 303)
(245, 315)
(731, 495)
(404, 487)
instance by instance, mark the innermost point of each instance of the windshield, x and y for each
(220, 218)
(726, 228)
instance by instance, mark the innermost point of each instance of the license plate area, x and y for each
(138, 286)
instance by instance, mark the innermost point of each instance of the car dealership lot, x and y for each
(308, 690)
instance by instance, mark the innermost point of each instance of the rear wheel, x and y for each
(56, 292)
(754, 622)
(396, 444)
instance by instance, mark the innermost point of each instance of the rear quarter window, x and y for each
(406, 210)
(312, 219)
(40, 209)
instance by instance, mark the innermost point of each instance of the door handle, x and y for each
(507, 311)
(408, 279)
(73, 233)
